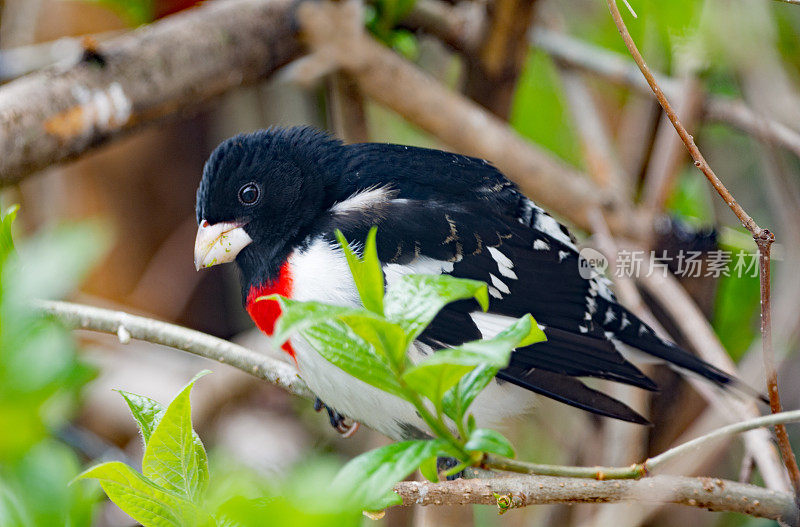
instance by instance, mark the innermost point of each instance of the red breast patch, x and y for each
(265, 312)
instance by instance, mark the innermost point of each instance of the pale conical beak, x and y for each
(218, 243)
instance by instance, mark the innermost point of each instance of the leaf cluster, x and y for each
(371, 344)
(174, 486)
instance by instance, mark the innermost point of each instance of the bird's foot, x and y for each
(443, 464)
(338, 421)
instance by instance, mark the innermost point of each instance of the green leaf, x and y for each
(175, 457)
(433, 378)
(457, 400)
(56, 260)
(6, 241)
(323, 327)
(444, 369)
(296, 316)
(485, 440)
(493, 354)
(413, 300)
(496, 351)
(337, 343)
(146, 411)
(372, 475)
(430, 469)
(385, 336)
(367, 272)
(142, 499)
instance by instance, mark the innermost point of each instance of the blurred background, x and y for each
(565, 83)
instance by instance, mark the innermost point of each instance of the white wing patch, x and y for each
(504, 263)
(499, 284)
(541, 245)
(610, 316)
(364, 200)
(420, 265)
(549, 226)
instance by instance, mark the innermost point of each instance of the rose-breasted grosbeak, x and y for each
(272, 201)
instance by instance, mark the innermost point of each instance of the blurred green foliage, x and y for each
(539, 111)
(134, 12)
(40, 376)
(175, 485)
(381, 19)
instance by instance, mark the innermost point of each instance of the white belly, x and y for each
(320, 273)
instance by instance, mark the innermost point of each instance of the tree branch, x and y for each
(613, 67)
(763, 238)
(153, 72)
(520, 491)
(126, 326)
(492, 71)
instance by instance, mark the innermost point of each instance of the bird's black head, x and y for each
(258, 195)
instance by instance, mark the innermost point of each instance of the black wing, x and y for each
(480, 224)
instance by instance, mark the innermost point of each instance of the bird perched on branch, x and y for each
(272, 201)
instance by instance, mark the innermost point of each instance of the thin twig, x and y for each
(78, 316)
(764, 243)
(689, 319)
(639, 470)
(763, 237)
(515, 492)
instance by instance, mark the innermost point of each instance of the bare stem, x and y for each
(763, 238)
(639, 470)
(79, 316)
(764, 242)
(521, 491)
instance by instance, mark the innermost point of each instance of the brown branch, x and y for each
(492, 71)
(346, 108)
(764, 242)
(515, 492)
(460, 26)
(153, 72)
(613, 67)
(763, 237)
(465, 126)
(127, 326)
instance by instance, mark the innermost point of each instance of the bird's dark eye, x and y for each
(248, 194)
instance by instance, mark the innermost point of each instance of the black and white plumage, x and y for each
(436, 212)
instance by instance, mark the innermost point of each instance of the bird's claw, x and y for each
(337, 420)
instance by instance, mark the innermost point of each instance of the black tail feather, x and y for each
(638, 335)
(571, 391)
